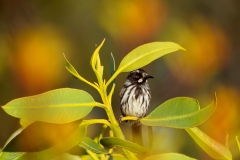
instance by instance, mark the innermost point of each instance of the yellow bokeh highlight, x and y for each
(207, 52)
(225, 117)
(129, 21)
(37, 58)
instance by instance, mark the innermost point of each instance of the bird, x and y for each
(135, 95)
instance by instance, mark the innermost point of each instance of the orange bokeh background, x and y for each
(35, 34)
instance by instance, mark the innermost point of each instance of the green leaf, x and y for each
(44, 141)
(112, 65)
(91, 145)
(118, 158)
(56, 106)
(39, 136)
(95, 60)
(116, 142)
(66, 156)
(11, 155)
(179, 112)
(96, 63)
(170, 156)
(209, 145)
(226, 141)
(13, 136)
(73, 71)
(26, 122)
(86, 157)
(112, 68)
(238, 142)
(145, 54)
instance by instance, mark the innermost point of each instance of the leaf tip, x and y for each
(183, 48)
(238, 143)
(103, 41)
(65, 58)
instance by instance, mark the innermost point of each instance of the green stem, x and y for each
(89, 83)
(113, 77)
(113, 122)
(108, 108)
(94, 157)
(94, 121)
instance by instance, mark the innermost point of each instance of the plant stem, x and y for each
(92, 155)
(113, 122)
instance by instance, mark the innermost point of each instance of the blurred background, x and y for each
(34, 34)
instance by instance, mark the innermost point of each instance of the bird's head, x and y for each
(138, 76)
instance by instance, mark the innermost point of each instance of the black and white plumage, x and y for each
(135, 95)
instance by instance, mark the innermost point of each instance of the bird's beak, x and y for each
(148, 76)
(143, 79)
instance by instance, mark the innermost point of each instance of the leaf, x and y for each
(26, 122)
(39, 136)
(56, 106)
(95, 60)
(73, 71)
(96, 63)
(209, 145)
(145, 54)
(118, 158)
(116, 142)
(226, 141)
(86, 157)
(112, 64)
(112, 68)
(170, 156)
(11, 155)
(179, 112)
(13, 136)
(91, 145)
(66, 156)
(238, 142)
(30, 139)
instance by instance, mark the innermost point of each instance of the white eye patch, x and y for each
(140, 80)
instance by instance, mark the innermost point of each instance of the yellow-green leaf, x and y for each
(26, 122)
(116, 142)
(74, 72)
(238, 142)
(32, 144)
(180, 112)
(112, 67)
(209, 145)
(56, 106)
(145, 54)
(95, 60)
(169, 156)
(67, 156)
(71, 69)
(91, 145)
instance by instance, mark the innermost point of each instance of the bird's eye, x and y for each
(136, 77)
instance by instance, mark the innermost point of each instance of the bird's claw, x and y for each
(120, 119)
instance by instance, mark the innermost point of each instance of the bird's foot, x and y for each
(120, 119)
